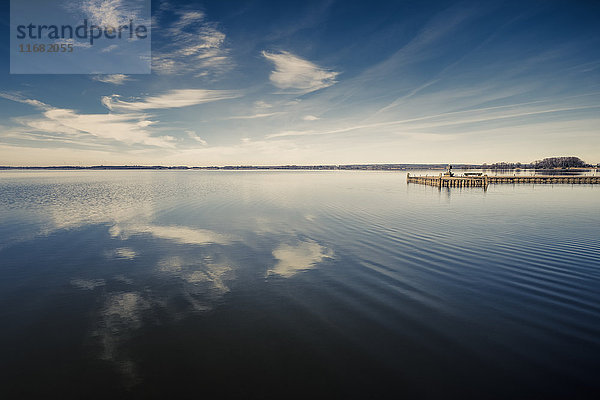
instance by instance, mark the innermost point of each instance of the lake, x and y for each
(278, 284)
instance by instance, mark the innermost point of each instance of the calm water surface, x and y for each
(283, 283)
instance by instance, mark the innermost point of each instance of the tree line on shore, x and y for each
(546, 163)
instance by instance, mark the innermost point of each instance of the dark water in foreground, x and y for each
(287, 284)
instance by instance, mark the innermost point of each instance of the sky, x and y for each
(323, 82)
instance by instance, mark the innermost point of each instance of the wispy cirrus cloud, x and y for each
(191, 45)
(109, 12)
(70, 125)
(129, 128)
(110, 48)
(297, 74)
(463, 118)
(16, 97)
(172, 99)
(256, 116)
(115, 79)
(75, 43)
(127, 123)
(194, 136)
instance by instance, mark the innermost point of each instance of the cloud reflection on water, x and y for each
(180, 266)
(123, 253)
(205, 275)
(178, 234)
(121, 315)
(292, 259)
(87, 284)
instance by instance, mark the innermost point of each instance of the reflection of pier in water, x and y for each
(484, 180)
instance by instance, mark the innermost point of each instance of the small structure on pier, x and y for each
(449, 171)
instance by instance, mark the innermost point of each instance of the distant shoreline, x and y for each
(345, 167)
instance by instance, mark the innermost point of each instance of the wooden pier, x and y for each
(485, 180)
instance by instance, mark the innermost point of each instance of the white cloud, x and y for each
(447, 119)
(127, 128)
(172, 99)
(197, 138)
(310, 118)
(115, 79)
(109, 13)
(186, 19)
(255, 116)
(130, 125)
(20, 99)
(262, 104)
(192, 46)
(297, 74)
(110, 48)
(74, 43)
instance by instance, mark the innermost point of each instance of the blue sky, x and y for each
(324, 82)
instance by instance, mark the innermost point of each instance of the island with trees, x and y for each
(547, 163)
